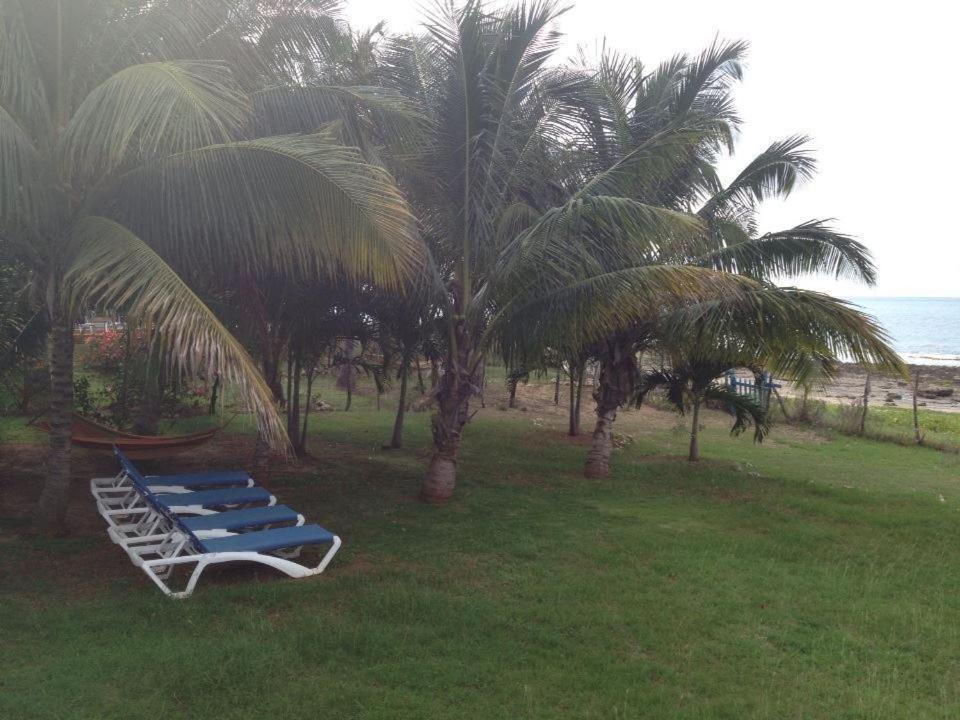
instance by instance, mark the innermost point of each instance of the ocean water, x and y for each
(925, 331)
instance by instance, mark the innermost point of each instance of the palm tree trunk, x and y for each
(694, 455)
(420, 386)
(214, 391)
(147, 420)
(55, 496)
(578, 369)
(289, 400)
(306, 409)
(866, 404)
(454, 390)
(261, 458)
(396, 441)
(271, 363)
(482, 381)
(581, 373)
(917, 435)
(617, 375)
(513, 391)
(601, 446)
(556, 389)
(121, 413)
(293, 424)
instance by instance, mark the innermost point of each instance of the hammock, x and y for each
(91, 435)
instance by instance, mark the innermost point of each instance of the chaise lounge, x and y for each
(160, 531)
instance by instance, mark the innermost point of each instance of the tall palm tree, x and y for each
(654, 138)
(131, 160)
(477, 75)
(498, 114)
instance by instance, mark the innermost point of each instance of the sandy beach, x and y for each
(939, 388)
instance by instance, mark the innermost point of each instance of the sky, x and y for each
(870, 82)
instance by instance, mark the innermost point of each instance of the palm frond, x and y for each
(297, 41)
(463, 37)
(20, 173)
(674, 385)
(787, 322)
(592, 234)
(809, 248)
(298, 205)
(686, 382)
(525, 43)
(22, 92)
(773, 173)
(163, 30)
(110, 266)
(371, 112)
(801, 366)
(654, 161)
(148, 111)
(746, 411)
(579, 313)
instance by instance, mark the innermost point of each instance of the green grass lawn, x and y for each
(808, 577)
(940, 429)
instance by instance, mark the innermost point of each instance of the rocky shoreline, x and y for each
(939, 388)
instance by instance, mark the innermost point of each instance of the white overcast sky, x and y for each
(871, 82)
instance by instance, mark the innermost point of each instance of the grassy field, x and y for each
(810, 577)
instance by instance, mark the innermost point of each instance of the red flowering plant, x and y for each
(106, 351)
(132, 377)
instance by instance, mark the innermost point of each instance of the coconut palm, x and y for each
(654, 138)
(644, 141)
(498, 118)
(476, 75)
(132, 163)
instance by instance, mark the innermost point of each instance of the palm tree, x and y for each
(690, 381)
(643, 144)
(132, 164)
(499, 117)
(477, 76)
(653, 139)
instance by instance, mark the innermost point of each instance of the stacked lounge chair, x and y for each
(163, 521)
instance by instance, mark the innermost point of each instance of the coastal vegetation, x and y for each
(807, 575)
(399, 271)
(549, 211)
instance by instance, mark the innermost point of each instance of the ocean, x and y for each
(924, 331)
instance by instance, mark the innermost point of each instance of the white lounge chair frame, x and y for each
(156, 544)
(159, 558)
(119, 500)
(153, 526)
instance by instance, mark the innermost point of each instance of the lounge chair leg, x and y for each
(334, 547)
(192, 583)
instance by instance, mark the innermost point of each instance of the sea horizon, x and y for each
(924, 330)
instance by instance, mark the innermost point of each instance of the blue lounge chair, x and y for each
(235, 520)
(202, 480)
(195, 502)
(120, 499)
(180, 482)
(121, 502)
(212, 539)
